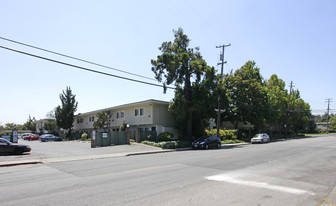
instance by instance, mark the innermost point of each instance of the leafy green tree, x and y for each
(184, 67)
(103, 119)
(299, 113)
(10, 126)
(277, 101)
(30, 124)
(333, 121)
(50, 126)
(204, 93)
(65, 113)
(248, 96)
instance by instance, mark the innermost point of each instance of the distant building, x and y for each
(40, 125)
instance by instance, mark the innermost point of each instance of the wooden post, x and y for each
(137, 136)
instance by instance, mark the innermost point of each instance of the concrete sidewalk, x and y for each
(87, 157)
(115, 151)
(81, 151)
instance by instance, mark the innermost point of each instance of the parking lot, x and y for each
(72, 150)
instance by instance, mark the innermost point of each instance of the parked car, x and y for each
(207, 142)
(8, 147)
(25, 135)
(260, 138)
(32, 137)
(49, 137)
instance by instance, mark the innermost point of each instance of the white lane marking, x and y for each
(226, 178)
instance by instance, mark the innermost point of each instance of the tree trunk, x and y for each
(69, 134)
(188, 95)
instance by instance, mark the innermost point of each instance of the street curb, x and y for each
(10, 164)
(330, 199)
(144, 153)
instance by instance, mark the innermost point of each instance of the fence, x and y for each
(111, 138)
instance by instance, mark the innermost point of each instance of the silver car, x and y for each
(260, 138)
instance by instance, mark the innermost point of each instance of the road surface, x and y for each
(292, 172)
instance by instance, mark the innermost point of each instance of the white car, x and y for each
(260, 138)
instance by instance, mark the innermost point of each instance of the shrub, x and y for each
(169, 144)
(165, 136)
(223, 134)
(84, 137)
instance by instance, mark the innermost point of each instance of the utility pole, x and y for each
(221, 77)
(289, 98)
(328, 109)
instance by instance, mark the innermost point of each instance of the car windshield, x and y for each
(258, 135)
(201, 139)
(4, 141)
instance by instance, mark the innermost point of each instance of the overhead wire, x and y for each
(75, 58)
(83, 68)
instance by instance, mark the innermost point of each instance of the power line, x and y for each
(83, 68)
(75, 58)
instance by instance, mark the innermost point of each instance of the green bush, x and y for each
(165, 136)
(223, 134)
(169, 144)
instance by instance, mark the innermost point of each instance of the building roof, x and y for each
(124, 105)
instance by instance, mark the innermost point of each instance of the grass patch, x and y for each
(232, 141)
(315, 134)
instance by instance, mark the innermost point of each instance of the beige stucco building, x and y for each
(148, 115)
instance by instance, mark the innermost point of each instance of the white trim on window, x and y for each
(138, 112)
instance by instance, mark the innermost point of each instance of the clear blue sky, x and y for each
(293, 39)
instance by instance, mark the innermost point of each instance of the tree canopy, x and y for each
(65, 112)
(186, 69)
(102, 120)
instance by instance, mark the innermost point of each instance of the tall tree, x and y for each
(204, 102)
(182, 66)
(50, 126)
(248, 95)
(30, 124)
(65, 113)
(299, 113)
(277, 101)
(103, 120)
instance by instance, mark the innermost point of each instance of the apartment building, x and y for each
(148, 115)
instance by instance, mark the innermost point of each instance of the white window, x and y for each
(139, 112)
(120, 115)
(91, 119)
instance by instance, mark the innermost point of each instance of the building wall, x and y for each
(154, 116)
(161, 115)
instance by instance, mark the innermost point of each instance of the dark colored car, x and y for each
(207, 142)
(49, 137)
(32, 137)
(7, 147)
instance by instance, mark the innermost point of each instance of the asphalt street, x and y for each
(292, 172)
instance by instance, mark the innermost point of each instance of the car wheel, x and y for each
(30, 139)
(18, 151)
(206, 146)
(219, 146)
